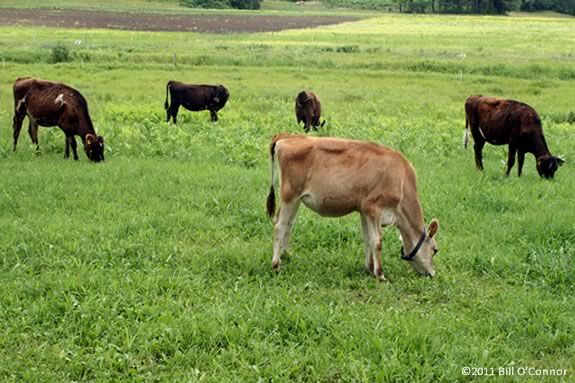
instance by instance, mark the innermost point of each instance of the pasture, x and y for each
(156, 265)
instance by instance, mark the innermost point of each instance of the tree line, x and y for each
(484, 6)
(460, 6)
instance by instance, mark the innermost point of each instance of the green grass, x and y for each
(156, 265)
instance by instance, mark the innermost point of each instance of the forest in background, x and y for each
(459, 6)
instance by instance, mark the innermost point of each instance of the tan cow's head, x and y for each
(422, 261)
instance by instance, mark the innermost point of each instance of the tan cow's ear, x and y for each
(433, 227)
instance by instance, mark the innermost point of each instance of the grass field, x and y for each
(156, 265)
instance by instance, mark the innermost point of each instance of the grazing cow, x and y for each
(48, 104)
(195, 98)
(335, 177)
(308, 110)
(502, 122)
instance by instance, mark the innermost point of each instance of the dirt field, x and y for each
(157, 22)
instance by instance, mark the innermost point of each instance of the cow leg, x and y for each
(214, 116)
(289, 228)
(67, 151)
(366, 247)
(511, 157)
(306, 125)
(173, 111)
(374, 231)
(520, 160)
(315, 123)
(33, 132)
(74, 146)
(478, 147)
(168, 113)
(282, 230)
(17, 126)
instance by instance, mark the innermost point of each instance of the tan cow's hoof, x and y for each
(276, 266)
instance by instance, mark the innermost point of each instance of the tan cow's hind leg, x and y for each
(282, 230)
(289, 228)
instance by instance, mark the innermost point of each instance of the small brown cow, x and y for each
(48, 103)
(335, 177)
(502, 122)
(308, 110)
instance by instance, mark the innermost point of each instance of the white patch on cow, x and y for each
(59, 99)
(20, 103)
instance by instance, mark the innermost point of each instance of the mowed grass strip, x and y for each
(156, 265)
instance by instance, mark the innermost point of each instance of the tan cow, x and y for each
(335, 177)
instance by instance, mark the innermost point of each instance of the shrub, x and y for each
(239, 4)
(60, 53)
(246, 4)
(219, 4)
(347, 49)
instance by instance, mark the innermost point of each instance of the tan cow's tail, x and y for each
(166, 105)
(271, 203)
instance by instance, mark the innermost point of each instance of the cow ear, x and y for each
(90, 138)
(433, 227)
(560, 161)
(100, 140)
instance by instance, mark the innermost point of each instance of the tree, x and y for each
(239, 4)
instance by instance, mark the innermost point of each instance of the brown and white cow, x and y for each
(308, 110)
(48, 103)
(501, 122)
(194, 98)
(335, 177)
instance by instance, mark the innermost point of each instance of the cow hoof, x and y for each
(276, 266)
(381, 278)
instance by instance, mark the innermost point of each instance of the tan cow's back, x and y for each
(335, 176)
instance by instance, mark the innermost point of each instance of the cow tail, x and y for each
(466, 135)
(166, 105)
(271, 202)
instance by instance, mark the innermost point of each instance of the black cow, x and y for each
(501, 122)
(195, 98)
(48, 103)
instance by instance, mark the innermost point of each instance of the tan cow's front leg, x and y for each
(374, 231)
(366, 246)
(282, 230)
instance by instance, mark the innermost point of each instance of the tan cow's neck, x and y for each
(410, 220)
